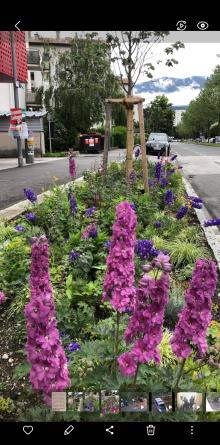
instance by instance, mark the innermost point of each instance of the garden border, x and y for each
(211, 233)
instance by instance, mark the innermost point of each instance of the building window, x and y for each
(32, 75)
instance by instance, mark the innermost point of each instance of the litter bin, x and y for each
(30, 149)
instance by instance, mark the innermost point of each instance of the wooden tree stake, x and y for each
(143, 147)
(130, 141)
(108, 109)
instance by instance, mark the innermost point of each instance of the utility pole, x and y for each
(16, 96)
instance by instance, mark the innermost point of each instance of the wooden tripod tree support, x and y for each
(129, 103)
(108, 110)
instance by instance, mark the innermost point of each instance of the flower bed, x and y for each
(116, 323)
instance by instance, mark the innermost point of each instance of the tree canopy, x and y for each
(160, 116)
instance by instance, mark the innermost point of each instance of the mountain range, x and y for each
(166, 85)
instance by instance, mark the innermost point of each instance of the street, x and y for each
(201, 166)
(41, 177)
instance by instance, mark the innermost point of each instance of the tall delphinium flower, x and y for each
(73, 203)
(169, 197)
(212, 222)
(195, 317)
(119, 278)
(182, 212)
(2, 297)
(44, 348)
(145, 327)
(164, 182)
(91, 231)
(90, 211)
(132, 177)
(72, 166)
(30, 195)
(158, 170)
(143, 248)
(137, 152)
(194, 201)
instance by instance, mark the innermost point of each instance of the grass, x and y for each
(55, 154)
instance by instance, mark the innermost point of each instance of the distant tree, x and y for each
(161, 115)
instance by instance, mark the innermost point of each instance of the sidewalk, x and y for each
(6, 163)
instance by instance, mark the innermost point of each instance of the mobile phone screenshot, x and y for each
(110, 232)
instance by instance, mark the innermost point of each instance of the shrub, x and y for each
(119, 137)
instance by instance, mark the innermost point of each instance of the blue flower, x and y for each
(73, 204)
(137, 152)
(173, 157)
(30, 195)
(90, 211)
(154, 252)
(169, 197)
(143, 248)
(196, 205)
(164, 182)
(132, 176)
(158, 167)
(73, 347)
(212, 222)
(73, 255)
(20, 228)
(107, 244)
(182, 212)
(195, 199)
(30, 217)
(157, 224)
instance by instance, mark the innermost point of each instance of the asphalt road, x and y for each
(41, 177)
(201, 166)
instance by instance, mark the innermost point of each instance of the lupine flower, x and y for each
(44, 348)
(132, 176)
(72, 166)
(143, 248)
(73, 203)
(212, 222)
(145, 327)
(2, 297)
(157, 224)
(182, 212)
(20, 228)
(73, 255)
(119, 277)
(30, 217)
(164, 182)
(151, 182)
(30, 195)
(169, 197)
(158, 167)
(196, 205)
(74, 346)
(107, 244)
(195, 316)
(173, 157)
(91, 231)
(195, 199)
(90, 211)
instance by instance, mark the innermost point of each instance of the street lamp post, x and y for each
(16, 96)
(49, 120)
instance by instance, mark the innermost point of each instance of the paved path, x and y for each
(43, 176)
(201, 166)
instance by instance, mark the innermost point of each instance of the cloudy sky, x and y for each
(196, 59)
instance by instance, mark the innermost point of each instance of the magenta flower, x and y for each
(44, 349)
(2, 297)
(91, 231)
(145, 327)
(195, 316)
(72, 166)
(119, 278)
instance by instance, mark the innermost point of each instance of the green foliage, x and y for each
(45, 414)
(184, 253)
(161, 115)
(119, 136)
(168, 359)
(21, 371)
(6, 406)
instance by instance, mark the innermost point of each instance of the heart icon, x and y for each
(28, 429)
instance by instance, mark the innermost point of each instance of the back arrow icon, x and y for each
(17, 24)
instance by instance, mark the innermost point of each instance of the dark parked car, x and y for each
(158, 143)
(91, 143)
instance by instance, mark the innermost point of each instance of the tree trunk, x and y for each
(108, 109)
(130, 141)
(143, 146)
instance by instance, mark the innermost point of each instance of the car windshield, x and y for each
(158, 137)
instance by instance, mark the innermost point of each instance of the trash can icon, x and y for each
(150, 430)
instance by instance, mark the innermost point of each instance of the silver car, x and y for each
(158, 143)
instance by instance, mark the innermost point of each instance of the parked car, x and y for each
(160, 405)
(158, 143)
(91, 143)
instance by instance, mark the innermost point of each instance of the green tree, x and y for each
(161, 115)
(82, 80)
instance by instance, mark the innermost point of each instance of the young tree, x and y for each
(161, 115)
(131, 52)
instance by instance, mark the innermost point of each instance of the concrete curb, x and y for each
(211, 233)
(17, 209)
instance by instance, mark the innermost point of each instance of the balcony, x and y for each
(31, 97)
(33, 58)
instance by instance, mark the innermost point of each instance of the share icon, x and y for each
(109, 430)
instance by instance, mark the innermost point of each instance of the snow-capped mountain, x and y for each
(167, 85)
